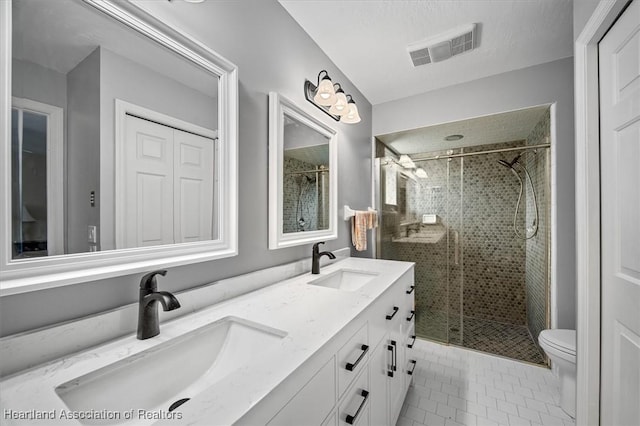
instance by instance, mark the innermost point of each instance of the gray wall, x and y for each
(124, 79)
(582, 10)
(273, 54)
(32, 81)
(541, 84)
(82, 151)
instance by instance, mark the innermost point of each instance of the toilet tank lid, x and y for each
(560, 338)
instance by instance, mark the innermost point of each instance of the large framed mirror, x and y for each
(302, 176)
(119, 144)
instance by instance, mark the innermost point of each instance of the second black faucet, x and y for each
(316, 255)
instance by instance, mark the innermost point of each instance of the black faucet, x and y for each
(148, 325)
(315, 261)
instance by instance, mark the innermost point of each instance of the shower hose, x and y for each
(527, 233)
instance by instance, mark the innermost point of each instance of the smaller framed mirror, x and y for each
(303, 190)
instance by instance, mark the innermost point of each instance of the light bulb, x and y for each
(352, 115)
(325, 94)
(421, 173)
(340, 107)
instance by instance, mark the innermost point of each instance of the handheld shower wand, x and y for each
(534, 228)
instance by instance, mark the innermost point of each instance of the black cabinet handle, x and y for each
(390, 372)
(410, 372)
(413, 287)
(410, 317)
(395, 311)
(351, 366)
(365, 395)
(394, 365)
(410, 345)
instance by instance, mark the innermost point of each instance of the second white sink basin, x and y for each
(169, 374)
(345, 279)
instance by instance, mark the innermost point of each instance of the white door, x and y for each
(193, 185)
(619, 53)
(148, 198)
(169, 185)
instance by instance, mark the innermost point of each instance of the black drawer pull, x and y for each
(413, 287)
(350, 419)
(395, 311)
(351, 366)
(390, 372)
(410, 345)
(410, 317)
(410, 372)
(394, 365)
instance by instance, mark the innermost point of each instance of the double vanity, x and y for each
(325, 349)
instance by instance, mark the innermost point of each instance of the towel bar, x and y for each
(349, 212)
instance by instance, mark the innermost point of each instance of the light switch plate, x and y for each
(93, 234)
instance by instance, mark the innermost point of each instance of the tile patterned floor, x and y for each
(454, 386)
(511, 341)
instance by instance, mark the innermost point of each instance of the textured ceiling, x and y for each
(497, 128)
(367, 40)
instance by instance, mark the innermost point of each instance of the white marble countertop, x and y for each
(310, 316)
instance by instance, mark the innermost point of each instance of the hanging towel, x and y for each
(360, 222)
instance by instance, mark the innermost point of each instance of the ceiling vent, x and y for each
(443, 46)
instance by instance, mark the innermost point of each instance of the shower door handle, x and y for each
(456, 248)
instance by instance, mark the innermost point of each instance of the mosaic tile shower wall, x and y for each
(491, 276)
(537, 264)
(304, 197)
(494, 257)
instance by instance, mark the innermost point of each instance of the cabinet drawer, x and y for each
(354, 409)
(352, 358)
(314, 402)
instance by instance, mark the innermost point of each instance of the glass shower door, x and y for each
(420, 222)
(455, 262)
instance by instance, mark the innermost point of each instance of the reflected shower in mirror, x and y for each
(113, 136)
(302, 176)
(305, 178)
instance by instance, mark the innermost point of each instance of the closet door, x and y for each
(193, 187)
(149, 177)
(619, 55)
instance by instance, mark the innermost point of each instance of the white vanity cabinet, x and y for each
(360, 377)
(391, 363)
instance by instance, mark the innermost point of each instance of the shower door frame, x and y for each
(548, 208)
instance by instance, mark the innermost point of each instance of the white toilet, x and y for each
(560, 347)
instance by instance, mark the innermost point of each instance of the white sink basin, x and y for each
(174, 370)
(345, 279)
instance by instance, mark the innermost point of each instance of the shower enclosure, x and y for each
(479, 235)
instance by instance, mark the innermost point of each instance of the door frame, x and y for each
(55, 170)
(588, 259)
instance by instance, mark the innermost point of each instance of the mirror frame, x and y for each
(24, 275)
(278, 107)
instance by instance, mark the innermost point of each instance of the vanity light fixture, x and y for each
(421, 173)
(329, 97)
(406, 162)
